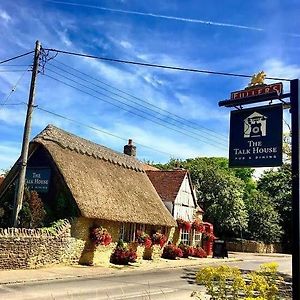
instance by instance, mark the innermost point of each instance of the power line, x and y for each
(97, 129)
(13, 89)
(181, 119)
(15, 57)
(12, 71)
(159, 65)
(212, 142)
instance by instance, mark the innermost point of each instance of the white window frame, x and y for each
(185, 237)
(197, 238)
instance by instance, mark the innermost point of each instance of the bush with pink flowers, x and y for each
(186, 250)
(199, 252)
(171, 251)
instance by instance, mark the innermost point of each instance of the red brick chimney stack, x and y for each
(130, 149)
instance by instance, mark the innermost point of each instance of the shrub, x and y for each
(123, 255)
(224, 282)
(100, 236)
(171, 252)
(199, 252)
(186, 250)
(208, 237)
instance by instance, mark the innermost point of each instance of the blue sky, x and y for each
(233, 36)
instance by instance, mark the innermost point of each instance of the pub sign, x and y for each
(256, 137)
(38, 179)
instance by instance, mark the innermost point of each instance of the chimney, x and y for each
(130, 149)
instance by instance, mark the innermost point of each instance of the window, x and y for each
(197, 238)
(127, 232)
(185, 237)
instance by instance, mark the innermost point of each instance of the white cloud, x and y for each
(5, 16)
(278, 68)
(126, 44)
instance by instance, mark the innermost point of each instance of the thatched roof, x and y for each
(105, 184)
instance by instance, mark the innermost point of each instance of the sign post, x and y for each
(295, 110)
(250, 145)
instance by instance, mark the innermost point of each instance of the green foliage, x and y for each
(6, 207)
(277, 184)
(32, 214)
(224, 282)
(263, 219)
(221, 193)
(52, 229)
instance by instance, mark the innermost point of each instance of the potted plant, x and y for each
(171, 252)
(122, 255)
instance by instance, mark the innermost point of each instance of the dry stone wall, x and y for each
(253, 246)
(22, 248)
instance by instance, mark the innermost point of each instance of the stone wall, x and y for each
(253, 246)
(33, 248)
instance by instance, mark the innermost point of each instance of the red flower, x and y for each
(100, 236)
(198, 226)
(199, 252)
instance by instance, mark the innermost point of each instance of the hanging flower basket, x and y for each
(185, 225)
(143, 239)
(198, 226)
(100, 236)
(158, 239)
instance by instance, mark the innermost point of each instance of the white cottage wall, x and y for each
(184, 205)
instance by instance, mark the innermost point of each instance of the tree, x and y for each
(277, 184)
(263, 219)
(221, 193)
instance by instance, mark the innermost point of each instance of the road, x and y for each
(163, 284)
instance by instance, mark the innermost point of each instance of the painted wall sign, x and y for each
(256, 137)
(38, 179)
(255, 91)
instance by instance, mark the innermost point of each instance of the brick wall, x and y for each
(32, 248)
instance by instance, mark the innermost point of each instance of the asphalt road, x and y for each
(159, 284)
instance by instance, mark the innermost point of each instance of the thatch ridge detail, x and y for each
(82, 146)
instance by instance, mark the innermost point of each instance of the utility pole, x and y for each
(26, 136)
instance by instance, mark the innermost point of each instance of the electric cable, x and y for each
(143, 106)
(180, 120)
(159, 65)
(97, 129)
(15, 57)
(13, 89)
(213, 143)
